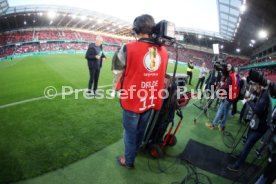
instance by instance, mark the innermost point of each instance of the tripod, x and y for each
(206, 102)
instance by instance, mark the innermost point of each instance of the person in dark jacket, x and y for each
(190, 71)
(95, 57)
(260, 107)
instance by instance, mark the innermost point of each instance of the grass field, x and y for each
(44, 135)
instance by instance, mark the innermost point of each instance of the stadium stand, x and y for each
(61, 35)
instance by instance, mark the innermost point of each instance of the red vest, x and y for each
(143, 79)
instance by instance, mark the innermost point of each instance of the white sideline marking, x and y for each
(39, 98)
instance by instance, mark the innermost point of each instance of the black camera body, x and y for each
(256, 77)
(164, 33)
(220, 66)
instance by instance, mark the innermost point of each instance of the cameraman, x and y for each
(229, 76)
(260, 106)
(143, 62)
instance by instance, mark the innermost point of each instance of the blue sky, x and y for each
(197, 14)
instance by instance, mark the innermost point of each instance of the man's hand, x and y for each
(104, 59)
(98, 57)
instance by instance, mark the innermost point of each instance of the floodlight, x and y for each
(262, 34)
(52, 14)
(253, 41)
(243, 8)
(238, 50)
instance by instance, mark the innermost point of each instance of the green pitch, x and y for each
(44, 135)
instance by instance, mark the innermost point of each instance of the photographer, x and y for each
(259, 106)
(143, 62)
(230, 81)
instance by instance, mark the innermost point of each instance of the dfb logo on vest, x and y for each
(152, 60)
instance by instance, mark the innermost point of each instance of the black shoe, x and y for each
(233, 167)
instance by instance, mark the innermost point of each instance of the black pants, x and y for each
(234, 108)
(94, 77)
(200, 82)
(190, 74)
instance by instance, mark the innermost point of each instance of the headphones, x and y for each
(135, 26)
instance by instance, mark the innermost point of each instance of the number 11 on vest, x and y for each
(144, 101)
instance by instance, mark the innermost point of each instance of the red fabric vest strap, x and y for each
(234, 88)
(143, 79)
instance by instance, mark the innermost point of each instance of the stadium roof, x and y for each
(63, 16)
(196, 14)
(229, 17)
(111, 20)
